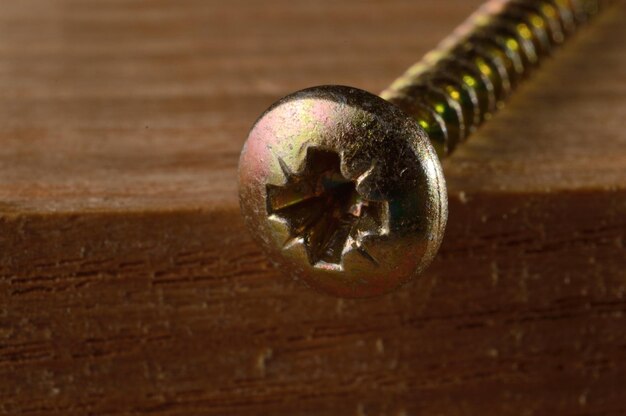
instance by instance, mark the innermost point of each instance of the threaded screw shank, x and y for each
(461, 83)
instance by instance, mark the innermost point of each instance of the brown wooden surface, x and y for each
(129, 286)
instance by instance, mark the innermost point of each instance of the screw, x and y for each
(344, 189)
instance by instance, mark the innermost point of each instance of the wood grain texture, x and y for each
(128, 285)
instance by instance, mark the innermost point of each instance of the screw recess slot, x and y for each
(324, 211)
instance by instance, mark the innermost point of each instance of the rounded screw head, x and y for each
(343, 191)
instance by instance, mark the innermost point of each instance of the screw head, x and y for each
(343, 191)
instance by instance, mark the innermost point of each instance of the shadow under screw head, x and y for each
(343, 190)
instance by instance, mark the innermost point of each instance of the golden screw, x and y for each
(344, 189)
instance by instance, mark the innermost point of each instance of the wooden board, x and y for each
(128, 284)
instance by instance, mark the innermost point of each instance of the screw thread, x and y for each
(460, 84)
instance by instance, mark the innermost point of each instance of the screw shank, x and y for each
(461, 83)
